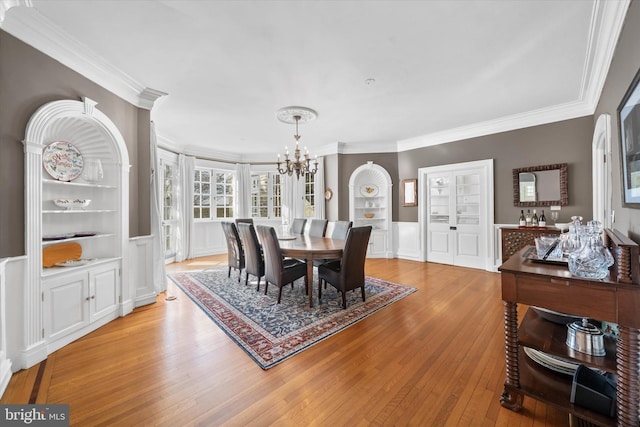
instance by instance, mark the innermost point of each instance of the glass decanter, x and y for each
(593, 259)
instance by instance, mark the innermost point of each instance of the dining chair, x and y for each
(241, 220)
(340, 230)
(318, 227)
(278, 270)
(297, 227)
(347, 273)
(235, 253)
(254, 260)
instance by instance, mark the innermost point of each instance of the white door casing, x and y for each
(601, 161)
(457, 228)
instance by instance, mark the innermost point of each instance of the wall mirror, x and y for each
(540, 186)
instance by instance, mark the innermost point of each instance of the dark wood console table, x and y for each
(614, 299)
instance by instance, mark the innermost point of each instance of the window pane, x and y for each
(206, 213)
(206, 176)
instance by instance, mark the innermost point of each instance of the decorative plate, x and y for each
(75, 262)
(328, 194)
(369, 190)
(287, 237)
(62, 161)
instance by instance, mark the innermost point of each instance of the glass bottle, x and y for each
(534, 219)
(523, 219)
(542, 221)
(528, 218)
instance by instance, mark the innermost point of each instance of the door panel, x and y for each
(456, 223)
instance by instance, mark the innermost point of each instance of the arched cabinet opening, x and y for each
(370, 204)
(76, 209)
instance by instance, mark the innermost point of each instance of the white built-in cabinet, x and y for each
(65, 303)
(370, 204)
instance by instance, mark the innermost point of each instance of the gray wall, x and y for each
(29, 79)
(625, 64)
(562, 142)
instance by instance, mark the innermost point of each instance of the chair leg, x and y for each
(246, 278)
(362, 292)
(258, 287)
(344, 299)
(266, 286)
(280, 294)
(239, 275)
(229, 272)
(319, 289)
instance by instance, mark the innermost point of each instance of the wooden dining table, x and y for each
(310, 248)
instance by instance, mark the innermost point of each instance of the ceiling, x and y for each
(442, 70)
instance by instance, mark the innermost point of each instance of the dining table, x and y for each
(309, 248)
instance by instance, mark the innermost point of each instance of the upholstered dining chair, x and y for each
(318, 227)
(254, 260)
(340, 230)
(347, 273)
(278, 270)
(297, 227)
(235, 253)
(241, 220)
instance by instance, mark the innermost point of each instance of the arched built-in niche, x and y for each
(63, 303)
(370, 204)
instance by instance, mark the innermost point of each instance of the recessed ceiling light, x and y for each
(369, 82)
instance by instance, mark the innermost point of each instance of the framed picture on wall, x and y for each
(409, 192)
(629, 120)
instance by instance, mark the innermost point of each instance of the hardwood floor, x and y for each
(434, 358)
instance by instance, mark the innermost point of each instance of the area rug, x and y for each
(269, 332)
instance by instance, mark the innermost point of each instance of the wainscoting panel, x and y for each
(406, 240)
(141, 270)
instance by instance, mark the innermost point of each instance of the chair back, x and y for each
(340, 229)
(318, 227)
(234, 245)
(298, 225)
(241, 220)
(353, 257)
(254, 262)
(273, 265)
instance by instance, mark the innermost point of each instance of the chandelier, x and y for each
(300, 164)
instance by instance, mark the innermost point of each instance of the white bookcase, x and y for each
(370, 204)
(65, 303)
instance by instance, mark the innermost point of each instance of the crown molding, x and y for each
(33, 28)
(606, 24)
(541, 116)
(5, 5)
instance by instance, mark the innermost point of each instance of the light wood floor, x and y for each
(434, 358)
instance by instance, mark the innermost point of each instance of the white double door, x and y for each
(458, 213)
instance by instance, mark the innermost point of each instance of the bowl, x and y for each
(548, 247)
(72, 203)
(562, 226)
(369, 215)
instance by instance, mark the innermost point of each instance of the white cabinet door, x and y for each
(377, 244)
(454, 217)
(104, 284)
(65, 304)
(439, 221)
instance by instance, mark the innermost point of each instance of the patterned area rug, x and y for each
(270, 332)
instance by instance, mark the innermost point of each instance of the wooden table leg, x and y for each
(511, 398)
(628, 387)
(310, 280)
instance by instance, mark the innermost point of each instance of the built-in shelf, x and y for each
(76, 184)
(74, 239)
(77, 211)
(53, 271)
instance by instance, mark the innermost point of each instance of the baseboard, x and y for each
(5, 373)
(146, 299)
(33, 355)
